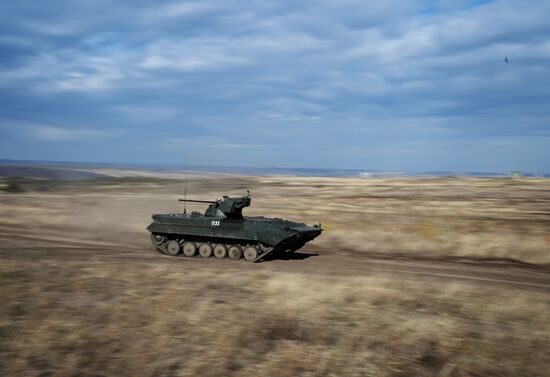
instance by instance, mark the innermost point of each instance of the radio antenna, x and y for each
(185, 185)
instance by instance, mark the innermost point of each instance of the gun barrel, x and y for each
(196, 201)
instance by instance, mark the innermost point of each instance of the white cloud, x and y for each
(68, 71)
(145, 112)
(202, 143)
(179, 9)
(51, 133)
(48, 132)
(100, 74)
(191, 54)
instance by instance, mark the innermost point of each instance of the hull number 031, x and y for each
(215, 222)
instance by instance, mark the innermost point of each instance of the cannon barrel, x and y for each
(196, 201)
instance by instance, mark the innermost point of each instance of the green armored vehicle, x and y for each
(223, 232)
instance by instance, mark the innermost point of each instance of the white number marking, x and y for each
(215, 222)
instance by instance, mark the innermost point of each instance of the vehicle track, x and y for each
(326, 262)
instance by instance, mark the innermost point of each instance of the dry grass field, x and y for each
(413, 277)
(484, 218)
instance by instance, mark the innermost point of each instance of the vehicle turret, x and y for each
(227, 207)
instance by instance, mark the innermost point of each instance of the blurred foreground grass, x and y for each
(114, 319)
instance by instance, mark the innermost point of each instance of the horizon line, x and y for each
(201, 167)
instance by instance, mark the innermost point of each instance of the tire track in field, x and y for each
(66, 248)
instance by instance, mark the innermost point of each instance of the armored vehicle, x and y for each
(223, 231)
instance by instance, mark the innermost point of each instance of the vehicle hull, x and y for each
(275, 235)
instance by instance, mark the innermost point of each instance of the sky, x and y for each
(398, 85)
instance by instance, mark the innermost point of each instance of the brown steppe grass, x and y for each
(119, 319)
(111, 317)
(480, 218)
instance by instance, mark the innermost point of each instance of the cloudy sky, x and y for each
(391, 85)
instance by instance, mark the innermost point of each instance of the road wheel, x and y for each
(250, 253)
(220, 251)
(205, 250)
(189, 249)
(172, 247)
(156, 239)
(235, 252)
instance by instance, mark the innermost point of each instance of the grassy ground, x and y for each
(148, 317)
(433, 218)
(112, 319)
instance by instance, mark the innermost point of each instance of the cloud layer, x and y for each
(395, 84)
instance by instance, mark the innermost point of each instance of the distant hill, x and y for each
(45, 172)
(76, 170)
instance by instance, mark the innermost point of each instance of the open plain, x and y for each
(412, 277)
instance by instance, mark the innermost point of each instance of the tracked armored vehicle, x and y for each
(222, 231)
